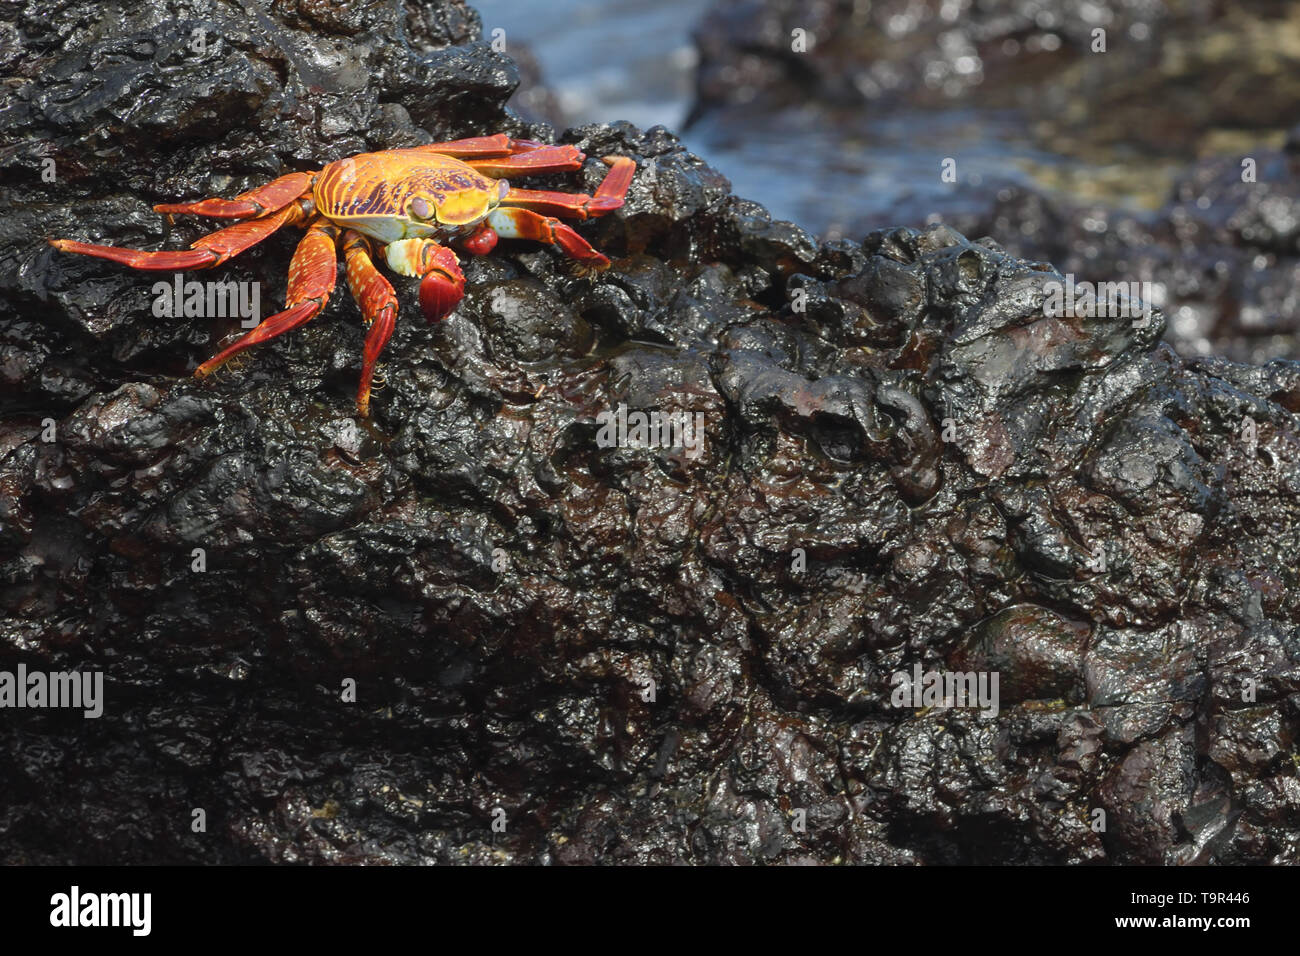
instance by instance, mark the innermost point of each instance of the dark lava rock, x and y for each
(1221, 258)
(469, 630)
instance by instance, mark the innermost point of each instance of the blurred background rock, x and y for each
(1116, 155)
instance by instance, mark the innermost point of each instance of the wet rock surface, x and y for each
(1221, 258)
(626, 653)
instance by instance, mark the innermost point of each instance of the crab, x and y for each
(405, 206)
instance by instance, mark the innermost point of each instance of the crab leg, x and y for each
(618, 179)
(524, 224)
(572, 205)
(545, 159)
(273, 196)
(207, 252)
(609, 194)
(482, 146)
(312, 274)
(378, 302)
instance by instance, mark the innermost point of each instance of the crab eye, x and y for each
(419, 208)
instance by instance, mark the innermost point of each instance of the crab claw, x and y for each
(441, 291)
(442, 283)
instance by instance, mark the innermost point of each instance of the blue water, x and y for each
(608, 59)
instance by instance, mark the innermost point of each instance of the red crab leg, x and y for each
(571, 205)
(619, 177)
(209, 251)
(256, 202)
(545, 159)
(523, 224)
(378, 302)
(609, 194)
(482, 146)
(312, 273)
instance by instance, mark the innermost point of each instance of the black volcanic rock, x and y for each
(1222, 257)
(629, 653)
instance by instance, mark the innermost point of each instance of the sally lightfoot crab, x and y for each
(408, 205)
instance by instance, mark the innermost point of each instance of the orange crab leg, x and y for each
(482, 146)
(572, 205)
(378, 302)
(618, 179)
(524, 224)
(609, 194)
(312, 274)
(545, 159)
(273, 196)
(207, 252)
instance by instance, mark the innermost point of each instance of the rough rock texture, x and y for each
(1222, 256)
(906, 462)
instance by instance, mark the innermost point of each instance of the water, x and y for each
(608, 59)
(837, 173)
